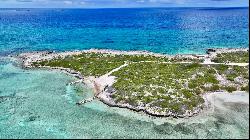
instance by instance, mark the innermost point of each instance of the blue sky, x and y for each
(120, 3)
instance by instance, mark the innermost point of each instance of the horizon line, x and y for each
(114, 7)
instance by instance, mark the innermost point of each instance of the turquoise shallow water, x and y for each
(39, 104)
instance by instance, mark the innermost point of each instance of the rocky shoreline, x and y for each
(225, 50)
(104, 95)
(108, 101)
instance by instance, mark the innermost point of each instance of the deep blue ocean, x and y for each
(161, 30)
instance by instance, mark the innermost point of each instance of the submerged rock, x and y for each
(33, 118)
(183, 129)
(166, 128)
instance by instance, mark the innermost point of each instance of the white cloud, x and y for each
(122, 3)
(140, 1)
(67, 2)
(82, 2)
(168, 1)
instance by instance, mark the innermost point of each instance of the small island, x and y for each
(157, 84)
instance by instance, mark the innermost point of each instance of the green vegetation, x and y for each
(146, 81)
(232, 72)
(234, 57)
(230, 88)
(171, 86)
(183, 59)
(245, 88)
(168, 86)
(95, 64)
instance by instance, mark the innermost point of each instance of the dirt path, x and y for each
(206, 62)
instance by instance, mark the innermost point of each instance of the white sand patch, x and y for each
(217, 99)
(107, 79)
